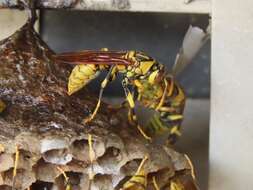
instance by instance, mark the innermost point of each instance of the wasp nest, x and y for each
(43, 140)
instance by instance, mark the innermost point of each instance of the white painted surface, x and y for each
(11, 20)
(231, 131)
(195, 6)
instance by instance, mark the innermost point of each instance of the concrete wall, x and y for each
(231, 130)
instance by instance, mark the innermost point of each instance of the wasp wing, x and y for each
(85, 63)
(194, 40)
(93, 57)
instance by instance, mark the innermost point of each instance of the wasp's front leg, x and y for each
(103, 85)
(132, 117)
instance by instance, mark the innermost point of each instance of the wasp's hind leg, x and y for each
(14, 174)
(92, 157)
(132, 117)
(155, 183)
(103, 85)
(66, 178)
(139, 180)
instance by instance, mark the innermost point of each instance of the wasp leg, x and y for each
(91, 150)
(92, 157)
(2, 106)
(191, 166)
(163, 96)
(103, 85)
(139, 180)
(155, 183)
(15, 167)
(66, 178)
(132, 117)
(131, 103)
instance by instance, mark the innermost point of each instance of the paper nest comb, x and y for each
(46, 125)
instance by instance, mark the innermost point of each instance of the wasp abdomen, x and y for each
(80, 76)
(169, 102)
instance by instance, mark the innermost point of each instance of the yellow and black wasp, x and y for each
(167, 98)
(154, 88)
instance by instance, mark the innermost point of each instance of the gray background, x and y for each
(158, 34)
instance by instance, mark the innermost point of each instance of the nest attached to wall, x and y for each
(45, 124)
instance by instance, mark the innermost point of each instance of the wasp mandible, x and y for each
(140, 71)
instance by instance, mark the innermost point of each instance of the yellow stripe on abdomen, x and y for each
(80, 76)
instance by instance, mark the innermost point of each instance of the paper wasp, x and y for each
(155, 89)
